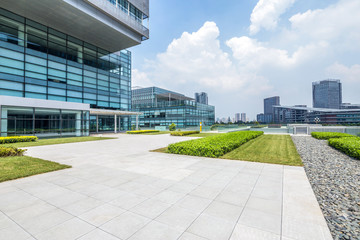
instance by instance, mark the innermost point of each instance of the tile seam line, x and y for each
(212, 202)
(73, 216)
(166, 209)
(262, 168)
(18, 225)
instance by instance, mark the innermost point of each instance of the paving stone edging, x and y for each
(335, 179)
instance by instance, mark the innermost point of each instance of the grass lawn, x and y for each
(52, 141)
(24, 166)
(277, 149)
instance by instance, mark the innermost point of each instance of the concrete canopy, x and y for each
(102, 25)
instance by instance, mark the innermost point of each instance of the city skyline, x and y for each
(244, 53)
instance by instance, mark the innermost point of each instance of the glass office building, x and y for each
(81, 83)
(327, 94)
(161, 107)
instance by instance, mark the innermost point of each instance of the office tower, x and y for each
(201, 97)
(237, 117)
(243, 117)
(64, 65)
(327, 94)
(268, 108)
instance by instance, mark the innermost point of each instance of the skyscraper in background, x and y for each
(268, 108)
(201, 98)
(327, 94)
(243, 117)
(237, 117)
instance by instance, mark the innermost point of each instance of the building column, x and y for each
(97, 123)
(3, 116)
(137, 122)
(115, 123)
(78, 124)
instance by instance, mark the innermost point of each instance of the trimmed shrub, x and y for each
(142, 131)
(213, 146)
(328, 135)
(184, 133)
(172, 127)
(348, 145)
(11, 151)
(16, 139)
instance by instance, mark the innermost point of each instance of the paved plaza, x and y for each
(117, 189)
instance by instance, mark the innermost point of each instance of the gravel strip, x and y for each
(335, 179)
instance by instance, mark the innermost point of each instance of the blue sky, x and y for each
(241, 51)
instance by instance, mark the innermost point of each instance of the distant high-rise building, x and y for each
(243, 117)
(327, 94)
(201, 98)
(268, 108)
(237, 117)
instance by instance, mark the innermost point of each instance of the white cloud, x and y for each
(336, 22)
(197, 59)
(139, 79)
(253, 69)
(349, 75)
(266, 14)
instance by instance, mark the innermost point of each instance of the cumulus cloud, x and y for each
(197, 58)
(251, 69)
(266, 14)
(349, 75)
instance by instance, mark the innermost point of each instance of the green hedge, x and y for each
(16, 139)
(142, 131)
(183, 133)
(214, 146)
(11, 151)
(328, 135)
(350, 146)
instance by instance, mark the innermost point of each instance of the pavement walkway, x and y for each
(117, 189)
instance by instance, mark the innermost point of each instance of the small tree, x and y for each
(172, 127)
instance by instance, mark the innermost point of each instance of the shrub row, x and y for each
(214, 146)
(16, 139)
(142, 131)
(183, 133)
(349, 146)
(328, 135)
(11, 151)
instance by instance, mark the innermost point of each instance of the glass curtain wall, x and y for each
(42, 122)
(39, 62)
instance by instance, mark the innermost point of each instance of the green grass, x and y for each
(277, 149)
(52, 141)
(24, 166)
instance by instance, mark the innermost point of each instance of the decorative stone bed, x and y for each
(335, 179)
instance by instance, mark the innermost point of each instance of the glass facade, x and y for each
(40, 62)
(327, 94)
(42, 122)
(161, 107)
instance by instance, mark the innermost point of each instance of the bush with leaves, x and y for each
(11, 151)
(213, 146)
(172, 127)
(328, 135)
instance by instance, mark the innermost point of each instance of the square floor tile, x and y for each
(177, 217)
(101, 214)
(155, 231)
(212, 228)
(125, 225)
(242, 232)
